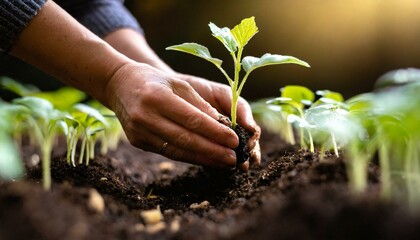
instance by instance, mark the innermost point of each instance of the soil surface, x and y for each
(292, 195)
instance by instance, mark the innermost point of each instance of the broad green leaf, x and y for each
(91, 115)
(62, 98)
(299, 94)
(362, 102)
(398, 77)
(17, 88)
(39, 107)
(330, 95)
(196, 50)
(225, 36)
(250, 63)
(9, 115)
(244, 31)
(292, 118)
(331, 119)
(71, 121)
(288, 105)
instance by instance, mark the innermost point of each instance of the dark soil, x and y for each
(292, 195)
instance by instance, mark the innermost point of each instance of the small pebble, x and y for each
(34, 160)
(95, 202)
(152, 216)
(203, 205)
(166, 166)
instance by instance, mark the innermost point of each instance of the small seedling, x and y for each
(91, 123)
(44, 122)
(234, 41)
(274, 119)
(293, 101)
(113, 134)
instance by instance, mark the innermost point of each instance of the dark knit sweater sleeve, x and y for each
(14, 16)
(101, 16)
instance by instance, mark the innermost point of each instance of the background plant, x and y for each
(44, 122)
(46, 116)
(292, 103)
(383, 123)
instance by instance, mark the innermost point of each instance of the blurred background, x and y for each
(348, 43)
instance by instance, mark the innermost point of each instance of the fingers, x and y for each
(182, 138)
(245, 118)
(256, 154)
(189, 110)
(220, 97)
(150, 141)
(186, 155)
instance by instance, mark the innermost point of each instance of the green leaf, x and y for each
(39, 107)
(362, 102)
(299, 94)
(17, 88)
(250, 63)
(90, 114)
(244, 31)
(330, 118)
(62, 98)
(196, 50)
(287, 104)
(225, 36)
(398, 77)
(330, 95)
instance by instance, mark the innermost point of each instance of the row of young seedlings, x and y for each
(43, 117)
(382, 123)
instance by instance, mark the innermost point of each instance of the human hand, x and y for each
(156, 108)
(219, 96)
(134, 45)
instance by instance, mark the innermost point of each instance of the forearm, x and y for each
(57, 44)
(133, 45)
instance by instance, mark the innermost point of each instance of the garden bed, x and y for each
(292, 195)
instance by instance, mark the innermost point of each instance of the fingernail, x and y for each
(250, 122)
(230, 158)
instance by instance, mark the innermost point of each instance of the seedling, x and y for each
(293, 101)
(329, 116)
(274, 119)
(234, 41)
(44, 115)
(397, 138)
(44, 122)
(91, 122)
(113, 133)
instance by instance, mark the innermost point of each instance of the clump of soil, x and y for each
(292, 195)
(242, 151)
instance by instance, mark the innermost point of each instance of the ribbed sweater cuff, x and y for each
(14, 16)
(109, 16)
